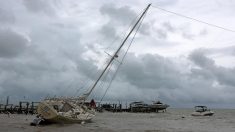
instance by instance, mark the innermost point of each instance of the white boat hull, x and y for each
(205, 113)
(76, 115)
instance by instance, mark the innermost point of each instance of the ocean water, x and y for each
(174, 120)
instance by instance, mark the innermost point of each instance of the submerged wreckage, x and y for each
(73, 110)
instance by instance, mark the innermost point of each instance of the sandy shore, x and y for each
(174, 120)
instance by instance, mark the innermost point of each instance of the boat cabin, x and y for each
(201, 108)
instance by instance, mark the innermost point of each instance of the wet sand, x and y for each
(174, 120)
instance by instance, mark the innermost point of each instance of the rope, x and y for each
(86, 81)
(194, 19)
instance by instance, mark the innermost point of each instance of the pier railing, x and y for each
(23, 108)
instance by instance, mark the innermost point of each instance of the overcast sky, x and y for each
(57, 47)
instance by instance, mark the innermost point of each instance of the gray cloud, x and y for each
(109, 32)
(49, 66)
(161, 34)
(150, 71)
(168, 26)
(38, 6)
(203, 32)
(225, 76)
(120, 14)
(187, 35)
(145, 29)
(166, 2)
(199, 58)
(225, 51)
(64, 57)
(228, 50)
(164, 29)
(6, 16)
(11, 43)
(208, 69)
(173, 81)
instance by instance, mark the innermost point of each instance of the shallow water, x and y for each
(174, 120)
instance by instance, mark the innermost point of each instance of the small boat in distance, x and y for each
(202, 111)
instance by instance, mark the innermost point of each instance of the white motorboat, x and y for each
(202, 111)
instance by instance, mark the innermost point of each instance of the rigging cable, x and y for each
(122, 59)
(104, 78)
(187, 17)
(88, 81)
(85, 83)
(116, 38)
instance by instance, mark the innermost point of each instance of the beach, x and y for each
(174, 120)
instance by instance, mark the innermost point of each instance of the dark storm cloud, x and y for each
(227, 50)
(199, 58)
(11, 43)
(48, 66)
(226, 76)
(30, 78)
(208, 69)
(6, 16)
(63, 56)
(121, 16)
(150, 71)
(174, 82)
(38, 6)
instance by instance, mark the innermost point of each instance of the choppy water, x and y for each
(174, 120)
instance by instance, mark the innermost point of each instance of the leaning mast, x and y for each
(116, 53)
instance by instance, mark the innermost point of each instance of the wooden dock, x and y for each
(23, 108)
(112, 107)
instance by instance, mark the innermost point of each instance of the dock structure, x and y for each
(133, 107)
(111, 107)
(24, 107)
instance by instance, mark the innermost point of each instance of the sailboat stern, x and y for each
(64, 112)
(46, 111)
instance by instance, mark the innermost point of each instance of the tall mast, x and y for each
(116, 53)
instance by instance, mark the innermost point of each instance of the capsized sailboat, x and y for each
(73, 110)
